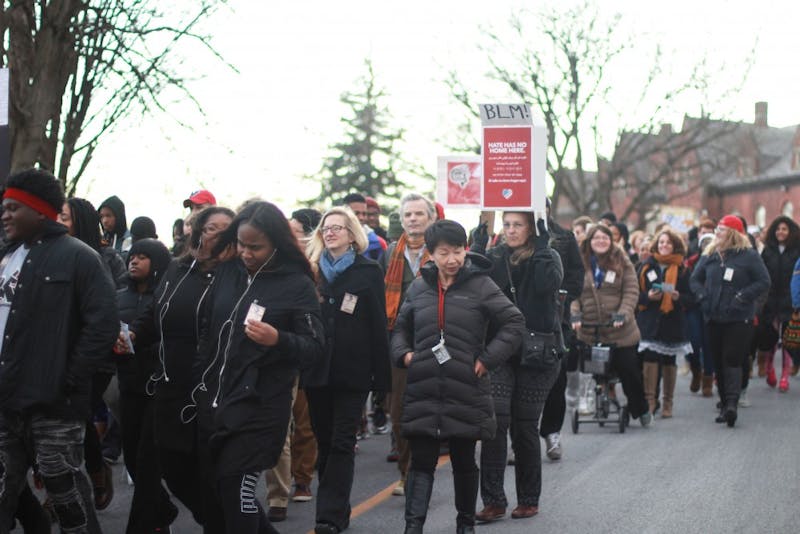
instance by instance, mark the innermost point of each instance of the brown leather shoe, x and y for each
(276, 514)
(490, 513)
(521, 512)
(103, 487)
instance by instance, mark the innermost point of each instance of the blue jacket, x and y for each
(795, 285)
(734, 300)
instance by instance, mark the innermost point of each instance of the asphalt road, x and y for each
(685, 474)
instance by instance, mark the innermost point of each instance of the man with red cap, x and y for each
(58, 319)
(199, 200)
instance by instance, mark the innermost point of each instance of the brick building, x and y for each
(710, 167)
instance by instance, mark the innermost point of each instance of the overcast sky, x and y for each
(270, 124)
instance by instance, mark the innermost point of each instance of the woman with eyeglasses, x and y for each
(171, 322)
(727, 281)
(610, 295)
(261, 327)
(353, 305)
(530, 273)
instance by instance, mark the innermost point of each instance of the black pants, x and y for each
(729, 344)
(425, 454)
(151, 507)
(335, 418)
(625, 363)
(556, 404)
(243, 512)
(92, 449)
(57, 445)
(528, 390)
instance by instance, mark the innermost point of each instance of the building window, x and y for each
(747, 166)
(788, 209)
(761, 217)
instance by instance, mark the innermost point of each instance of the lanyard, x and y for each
(441, 309)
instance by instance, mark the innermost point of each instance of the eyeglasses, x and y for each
(335, 228)
(211, 229)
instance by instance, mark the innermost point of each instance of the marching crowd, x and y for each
(261, 343)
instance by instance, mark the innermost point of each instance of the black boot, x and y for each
(418, 490)
(733, 386)
(466, 491)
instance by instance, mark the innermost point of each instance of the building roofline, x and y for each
(756, 183)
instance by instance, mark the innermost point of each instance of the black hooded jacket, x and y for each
(61, 326)
(245, 395)
(120, 233)
(171, 319)
(134, 370)
(449, 400)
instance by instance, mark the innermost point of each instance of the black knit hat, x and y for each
(142, 228)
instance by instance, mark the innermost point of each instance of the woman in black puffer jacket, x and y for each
(781, 252)
(727, 281)
(440, 336)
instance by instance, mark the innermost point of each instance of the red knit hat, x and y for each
(732, 221)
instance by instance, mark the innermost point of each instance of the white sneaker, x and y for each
(553, 442)
(744, 402)
(400, 489)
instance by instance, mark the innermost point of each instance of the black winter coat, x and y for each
(247, 396)
(731, 301)
(134, 370)
(171, 319)
(357, 343)
(655, 325)
(62, 324)
(780, 266)
(536, 281)
(450, 400)
(563, 241)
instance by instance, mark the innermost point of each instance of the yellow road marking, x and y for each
(383, 495)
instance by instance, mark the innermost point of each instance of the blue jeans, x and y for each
(55, 447)
(701, 356)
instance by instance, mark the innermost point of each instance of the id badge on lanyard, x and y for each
(440, 350)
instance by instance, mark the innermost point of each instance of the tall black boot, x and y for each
(418, 490)
(466, 491)
(733, 386)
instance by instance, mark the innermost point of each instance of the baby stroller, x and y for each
(596, 360)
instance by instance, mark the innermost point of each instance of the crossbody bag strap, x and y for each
(511, 283)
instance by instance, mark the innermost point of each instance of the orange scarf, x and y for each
(673, 262)
(394, 276)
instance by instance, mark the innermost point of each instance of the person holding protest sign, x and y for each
(530, 273)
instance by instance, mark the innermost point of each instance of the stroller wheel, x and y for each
(623, 419)
(575, 421)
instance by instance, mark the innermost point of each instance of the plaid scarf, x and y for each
(394, 278)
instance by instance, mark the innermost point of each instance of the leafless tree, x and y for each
(78, 67)
(566, 64)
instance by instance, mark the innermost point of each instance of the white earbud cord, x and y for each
(229, 323)
(162, 312)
